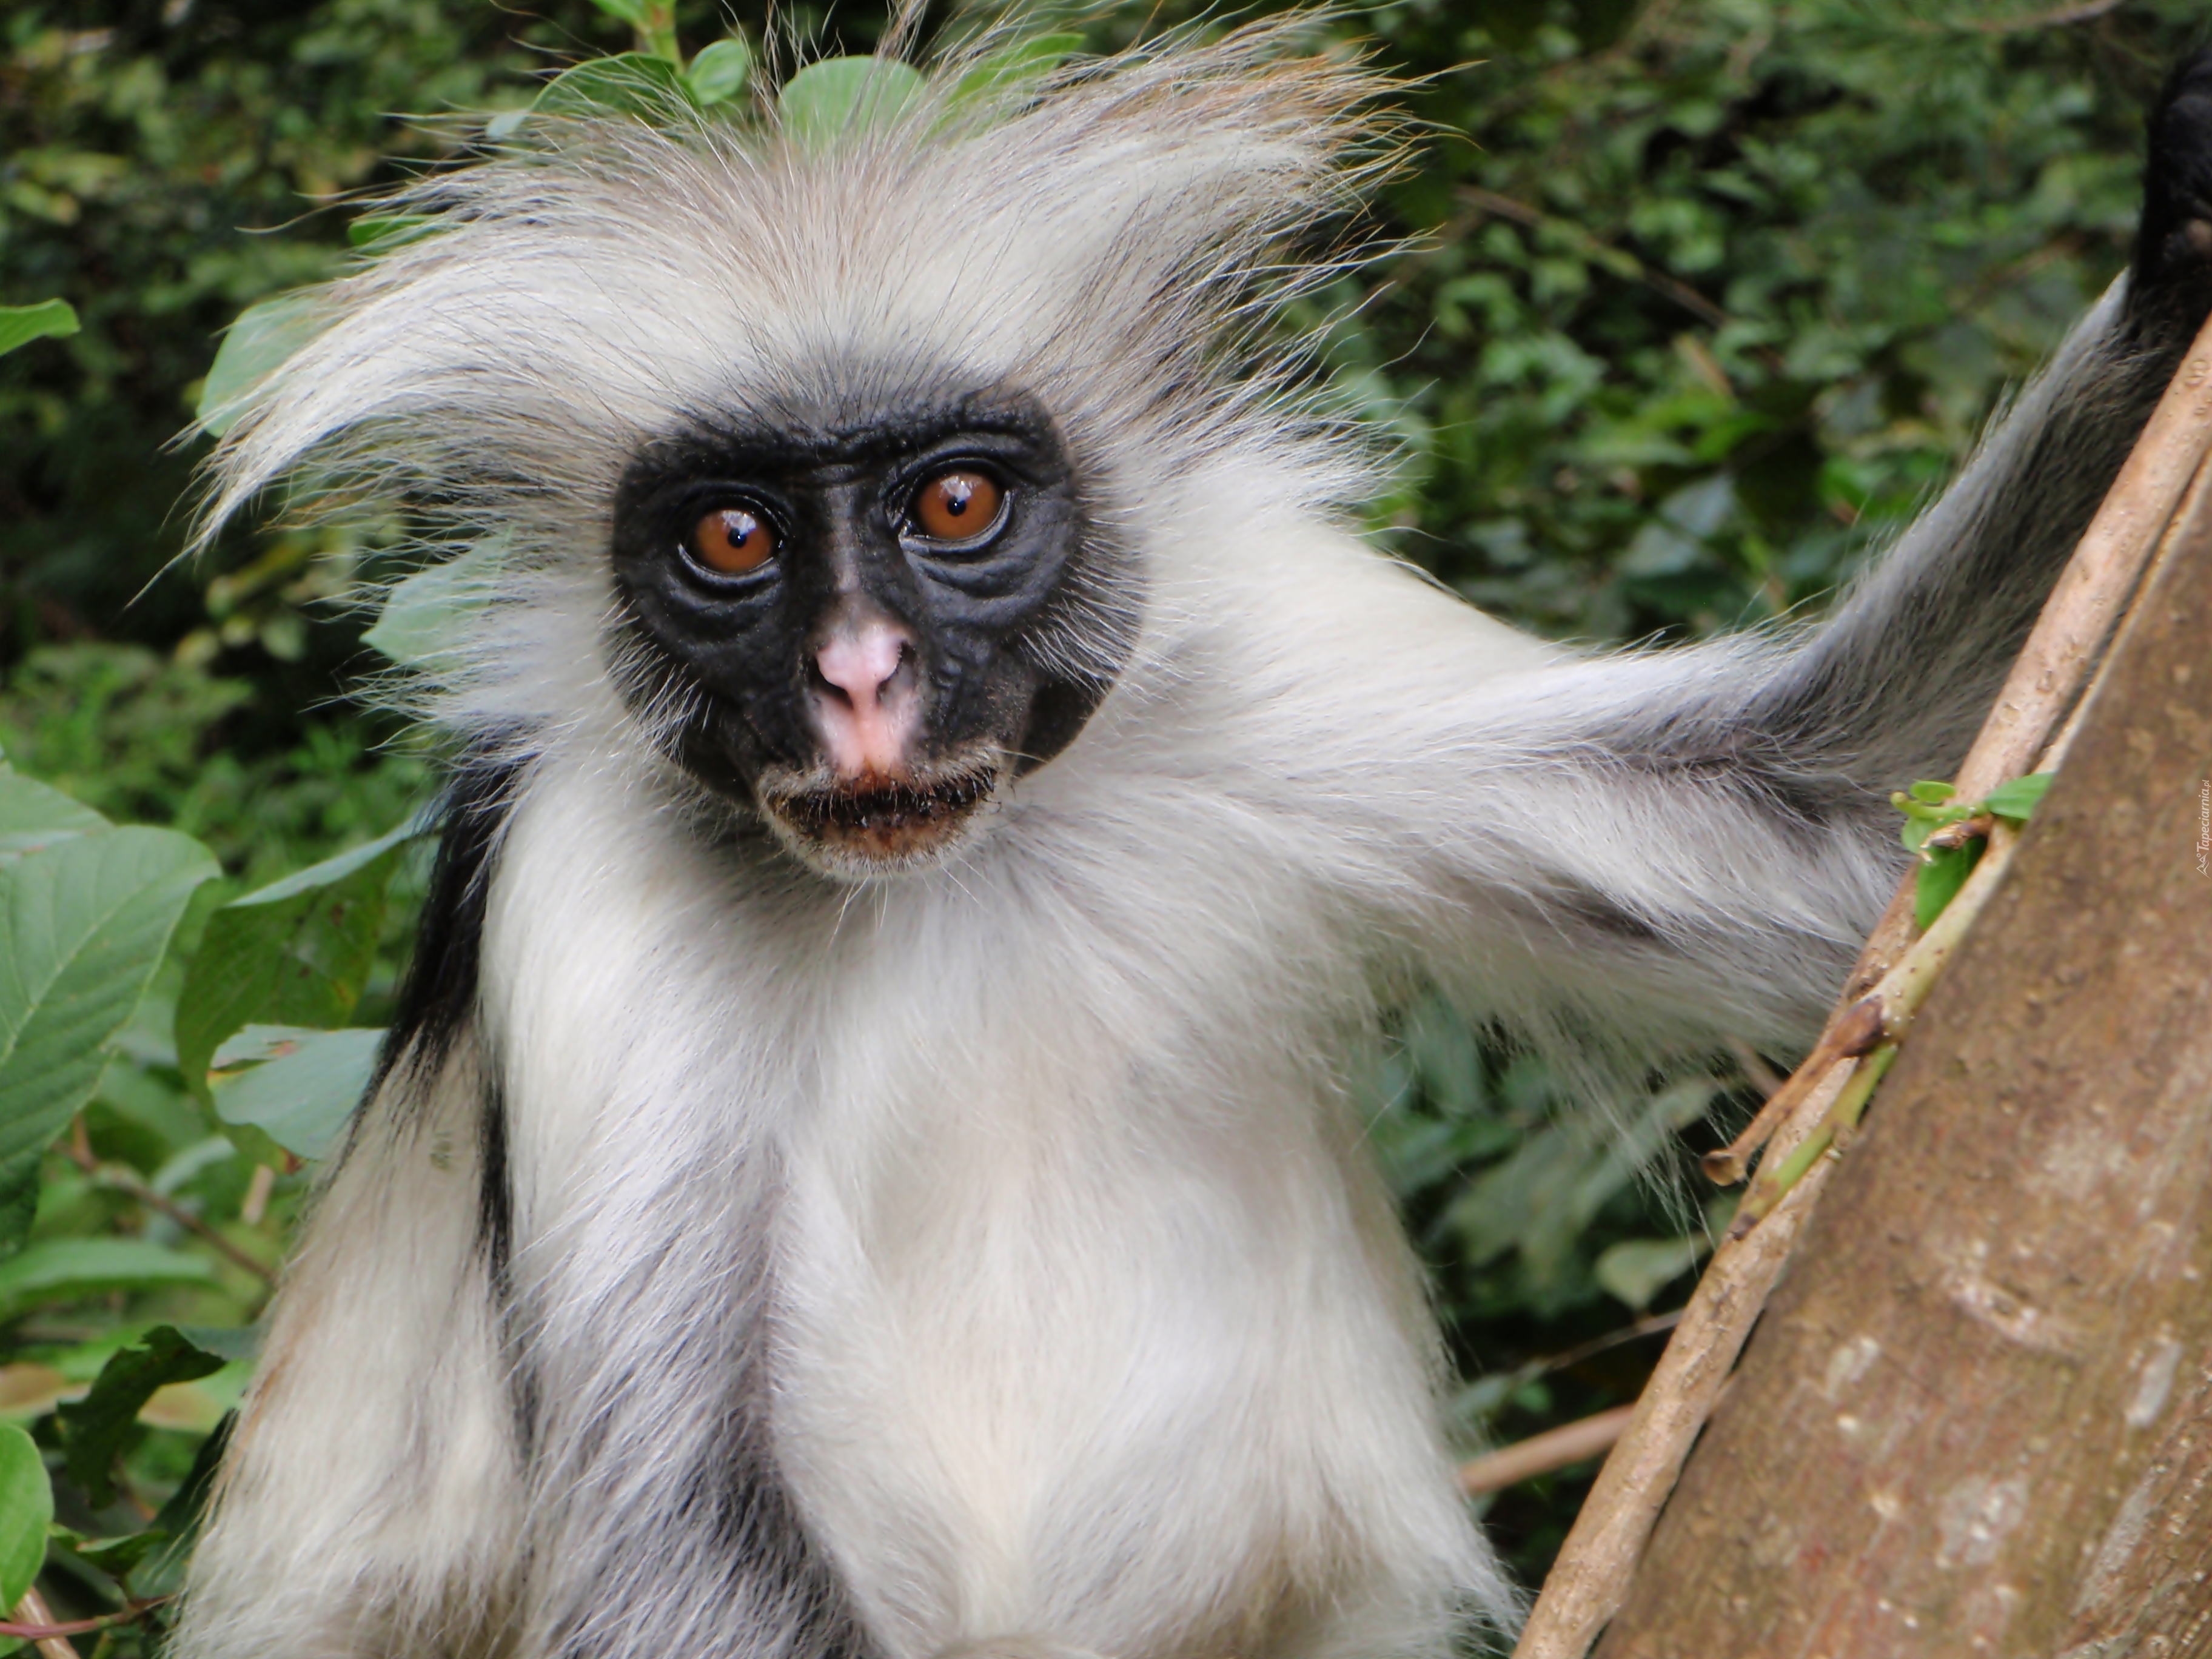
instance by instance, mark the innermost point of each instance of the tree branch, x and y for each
(1591, 1578)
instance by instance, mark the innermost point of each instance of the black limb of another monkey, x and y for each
(2174, 245)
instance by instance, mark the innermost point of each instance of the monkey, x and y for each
(867, 1162)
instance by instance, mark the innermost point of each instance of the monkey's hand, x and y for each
(2171, 286)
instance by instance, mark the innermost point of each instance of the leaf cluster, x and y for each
(1945, 862)
(186, 1078)
(257, 1072)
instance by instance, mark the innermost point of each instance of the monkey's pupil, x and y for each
(956, 505)
(733, 541)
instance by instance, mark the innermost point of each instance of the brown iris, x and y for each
(956, 505)
(733, 541)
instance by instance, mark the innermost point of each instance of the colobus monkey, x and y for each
(865, 1168)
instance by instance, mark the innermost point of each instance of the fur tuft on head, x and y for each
(1116, 243)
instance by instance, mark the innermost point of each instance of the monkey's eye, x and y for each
(731, 540)
(957, 505)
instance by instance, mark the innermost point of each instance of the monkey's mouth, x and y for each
(869, 825)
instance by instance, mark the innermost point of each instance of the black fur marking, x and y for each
(2173, 244)
(437, 997)
(1579, 905)
(495, 1193)
(496, 1240)
(747, 1511)
(762, 1587)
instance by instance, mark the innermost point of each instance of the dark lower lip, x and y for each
(884, 820)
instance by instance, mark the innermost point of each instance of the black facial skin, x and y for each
(981, 614)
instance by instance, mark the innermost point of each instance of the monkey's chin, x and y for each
(862, 828)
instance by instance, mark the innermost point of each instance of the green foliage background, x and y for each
(1701, 300)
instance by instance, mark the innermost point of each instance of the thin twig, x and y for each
(40, 1627)
(1520, 213)
(2087, 12)
(1540, 1453)
(1649, 1325)
(130, 1182)
(1756, 1072)
(34, 1614)
(1852, 1030)
(1480, 1471)
(1777, 1176)
(257, 1190)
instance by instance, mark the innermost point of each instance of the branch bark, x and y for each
(1978, 1417)
(2138, 517)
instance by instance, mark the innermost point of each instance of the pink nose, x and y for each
(868, 701)
(861, 665)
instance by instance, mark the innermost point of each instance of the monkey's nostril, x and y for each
(822, 686)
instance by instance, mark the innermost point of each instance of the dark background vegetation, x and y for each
(1702, 301)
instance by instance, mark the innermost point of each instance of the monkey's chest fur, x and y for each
(1047, 1306)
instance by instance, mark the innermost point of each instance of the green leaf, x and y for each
(629, 84)
(20, 324)
(631, 12)
(256, 345)
(380, 233)
(302, 1087)
(338, 868)
(427, 613)
(1539, 1201)
(117, 1557)
(70, 1269)
(1636, 1270)
(2018, 798)
(228, 1343)
(27, 1509)
(1013, 69)
(83, 925)
(721, 71)
(840, 94)
(33, 817)
(1942, 873)
(295, 953)
(95, 1428)
(1926, 810)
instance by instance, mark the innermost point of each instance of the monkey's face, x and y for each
(864, 626)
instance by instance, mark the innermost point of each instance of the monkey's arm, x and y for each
(369, 1499)
(1652, 849)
